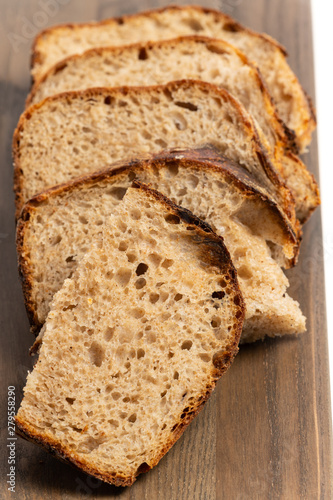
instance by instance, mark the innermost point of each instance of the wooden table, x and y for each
(266, 432)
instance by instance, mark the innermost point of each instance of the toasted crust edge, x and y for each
(220, 364)
(286, 198)
(203, 158)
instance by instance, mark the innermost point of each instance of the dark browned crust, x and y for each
(314, 201)
(275, 186)
(204, 158)
(284, 134)
(231, 24)
(216, 254)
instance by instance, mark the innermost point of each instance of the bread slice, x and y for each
(78, 132)
(135, 341)
(295, 108)
(57, 227)
(198, 58)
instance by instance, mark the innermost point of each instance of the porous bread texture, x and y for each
(154, 63)
(135, 341)
(57, 43)
(56, 230)
(78, 132)
(197, 58)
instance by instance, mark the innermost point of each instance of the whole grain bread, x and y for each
(198, 58)
(57, 227)
(78, 132)
(295, 108)
(135, 341)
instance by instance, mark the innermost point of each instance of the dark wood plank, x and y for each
(266, 432)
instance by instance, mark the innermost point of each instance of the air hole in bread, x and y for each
(131, 176)
(232, 27)
(237, 300)
(69, 307)
(117, 192)
(140, 353)
(123, 276)
(57, 239)
(186, 105)
(137, 312)
(216, 322)
(83, 219)
(122, 104)
(204, 357)
(167, 263)
(70, 400)
(179, 121)
(141, 269)
(193, 180)
(187, 344)
(218, 295)
(155, 259)
(140, 283)
(176, 375)
(160, 142)
(172, 219)
(146, 135)
(215, 49)
(143, 54)
(96, 353)
(116, 395)
(113, 422)
(86, 130)
(244, 272)
(108, 334)
(178, 297)
(194, 24)
(109, 388)
(144, 467)
(222, 283)
(123, 245)
(164, 296)
(131, 257)
(132, 418)
(109, 275)
(151, 337)
(135, 214)
(173, 168)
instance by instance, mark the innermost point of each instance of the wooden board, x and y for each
(266, 432)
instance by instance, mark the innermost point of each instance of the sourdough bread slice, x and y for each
(78, 132)
(198, 58)
(56, 43)
(57, 227)
(135, 341)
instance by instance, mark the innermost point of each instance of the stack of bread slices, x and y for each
(159, 197)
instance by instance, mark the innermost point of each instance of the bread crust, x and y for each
(309, 121)
(219, 257)
(207, 158)
(286, 199)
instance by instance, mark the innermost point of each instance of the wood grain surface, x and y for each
(266, 432)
